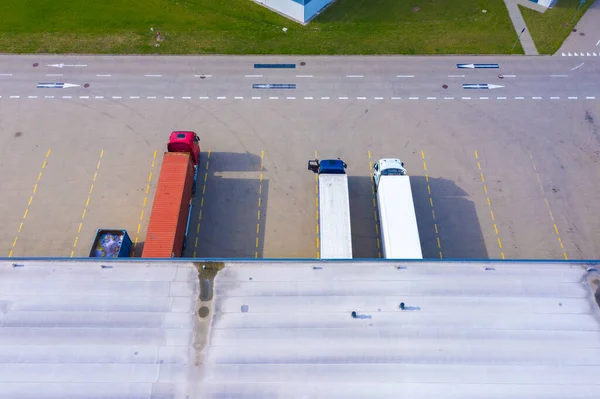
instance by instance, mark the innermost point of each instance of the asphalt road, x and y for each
(506, 172)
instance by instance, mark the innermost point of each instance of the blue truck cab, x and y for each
(328, 166)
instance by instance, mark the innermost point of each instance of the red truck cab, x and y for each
(185, 141)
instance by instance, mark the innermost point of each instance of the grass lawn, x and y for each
(243, 27)
(550, 29)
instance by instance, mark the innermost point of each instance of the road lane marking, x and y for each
(260, 206)
(405, 76)
(54, 74)
(465, 98)
(32, 96)
(304, 76)
(343, 98)
(324, 98)
(203, 98)
(489, 202)
(559, 76)
(238, 98)
(448, 98)
(413, 98)
(578, 66)
(500, 98)
(221, 98)
(519, 98)
(183, 98)
(355, 76)
(5, 74)
(435, 226)
(139, 226)
(203, 76)
(308, 98)
(456, 76)
(572, 98)
(103, 76)
(87, 202)
(548, 206)
(396, 98)
(590, 98)
(202, 202)
(34, 191)
(431, 98)
(290, 98)
(153, 76)
(378, 98)
(256, 98)
(484, 98)
(253, 76)
(554, 98)
(361, 98)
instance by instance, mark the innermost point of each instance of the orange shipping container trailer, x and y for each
(171, 210)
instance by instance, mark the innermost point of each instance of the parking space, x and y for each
(256, 198)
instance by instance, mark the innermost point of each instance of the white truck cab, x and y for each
(387, 167)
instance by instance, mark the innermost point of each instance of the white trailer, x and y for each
(397, 218)
(335, 236)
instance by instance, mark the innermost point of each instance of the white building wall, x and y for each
(287, 7)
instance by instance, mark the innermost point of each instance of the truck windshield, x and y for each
(392, 172)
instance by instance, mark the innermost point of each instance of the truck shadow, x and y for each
(458, 226)
(225, 221)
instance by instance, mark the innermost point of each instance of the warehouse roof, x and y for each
(285, 329)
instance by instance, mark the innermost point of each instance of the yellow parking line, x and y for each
(435, 226)
(548, 206)
(44, 163)
(375, 209)
(139, 226)
(489, 203)
(87, 202)
(200, 214)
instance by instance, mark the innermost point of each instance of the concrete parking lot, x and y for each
(490, 179)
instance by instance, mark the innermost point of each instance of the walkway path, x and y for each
(519, 23)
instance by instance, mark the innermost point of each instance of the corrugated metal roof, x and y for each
(516, 331)
(77, 330)
(169, 208)
(468, 330)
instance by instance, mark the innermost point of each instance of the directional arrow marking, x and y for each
(474, 66)
(66, 65)
(480, 86)
(56, 85)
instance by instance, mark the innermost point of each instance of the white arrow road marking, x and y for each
(598, 43)
(569, 54)
(563, 54)
(66, 65)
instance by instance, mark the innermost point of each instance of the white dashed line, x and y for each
(324, 98)
(378, 98)
(32, 96)
(536, 98)
(273, 98)
(559, 76)
(466, 98)
(116, 97)
(343, 98)
(153, 76)
(84, 96)
(169, 98)
(151, 97)
(203, 76)
(308, 98)
(500, 98)
(134, 97)
(431, 98)
(448, 98)
(48, 96)
(413, 98)
(98, 97)
(484, 98)
(238, 98)
(15, 96)
(456, 76)
(405, 76)
(519, 98)
(290, 98)
(508, 76)
(103, 76)
(590, 98)
(355, 76)
(253, 76)
(54, 74)
(69, 97)
(5, 74)
(256, 98)
(183, 98)
(396, 98)
(554, 98)
(221, 98)
(572, 98)
(361, 98)
(304, 76)
(203, 98)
